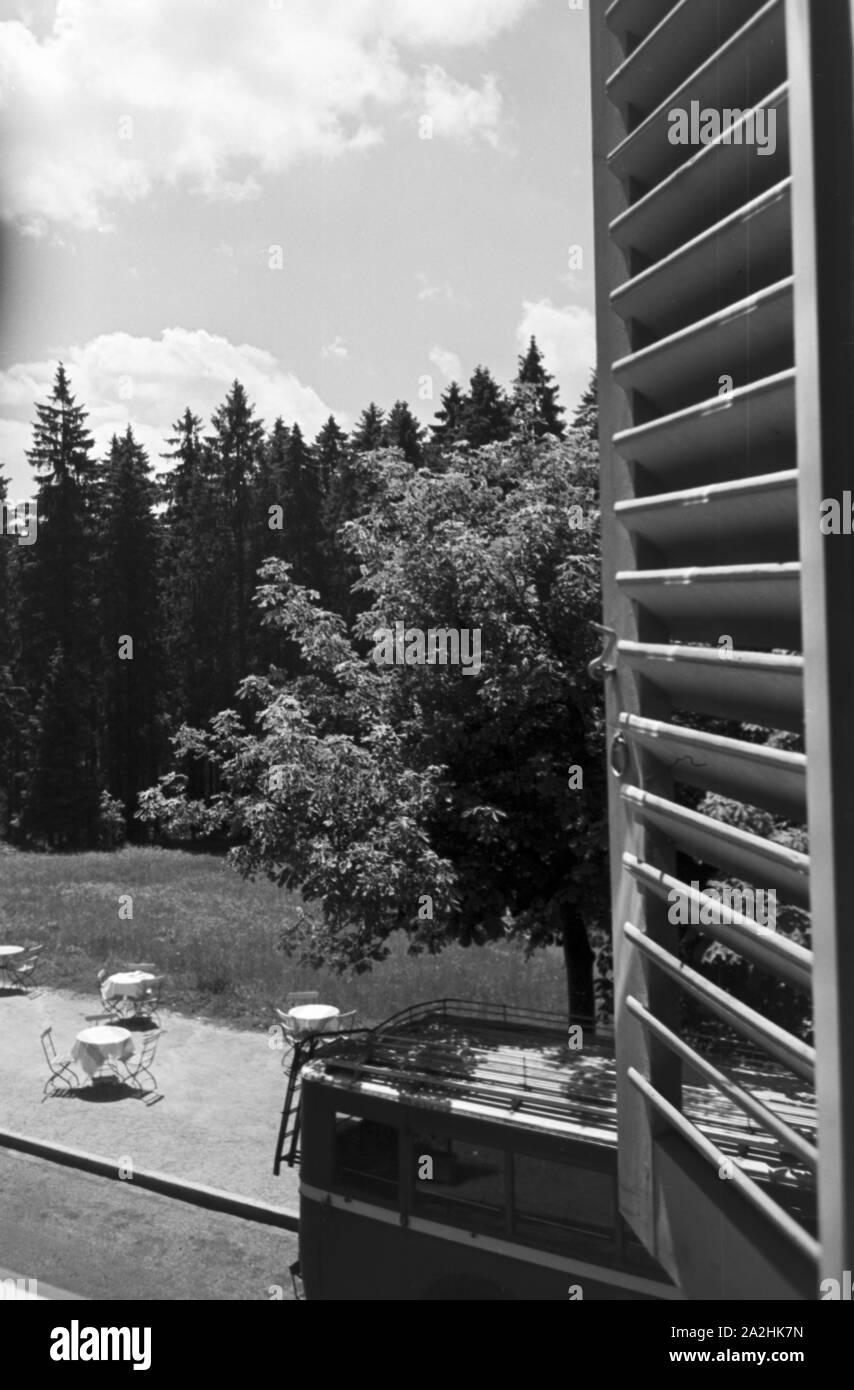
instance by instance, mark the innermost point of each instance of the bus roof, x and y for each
(519, 1066)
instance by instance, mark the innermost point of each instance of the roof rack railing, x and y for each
(477, 1009)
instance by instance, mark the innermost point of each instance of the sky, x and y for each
(334, 201)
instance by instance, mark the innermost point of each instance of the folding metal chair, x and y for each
(147, 1003)
(293, 1001)
(286, 1022)
(111, 1006)
(25, 972)
(140, 1064)
(345, 1023)
(61, 1068)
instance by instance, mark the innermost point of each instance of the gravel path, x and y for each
(216, 1123)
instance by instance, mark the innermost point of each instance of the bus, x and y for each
(469, 1151)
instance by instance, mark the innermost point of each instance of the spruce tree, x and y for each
(347, 496)
(128, 582)
(302, 499)
(236, 446)
(57, 572)
(486, 417)
(586, 417)
(450, 418)
(402, 431)
(270, 501)
(58, 621)
(547, 412)
(268, 497)
(369, 432)
(329, 449)
(196, 587)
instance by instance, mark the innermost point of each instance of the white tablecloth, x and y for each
(8, 955)
(314, 1018)
(128, 984)
(95, 1047)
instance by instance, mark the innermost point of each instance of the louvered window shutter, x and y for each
(715, 278)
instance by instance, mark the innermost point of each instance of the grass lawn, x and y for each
(215, 938)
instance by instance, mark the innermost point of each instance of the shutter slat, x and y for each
(755, 604)
(758, 687)
(722, 438)
(751, 338)
(751, 248)
(763, 863)
(714, 182)
(738, 75)
(635, 16)
(788, 1049)
(658, 64)
(770, 950)
(753, 772)
(759, 514)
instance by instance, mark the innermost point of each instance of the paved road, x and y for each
(104, 1239)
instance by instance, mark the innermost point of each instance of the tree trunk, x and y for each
(578, 959)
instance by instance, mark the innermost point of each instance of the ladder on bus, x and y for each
(287, 1142)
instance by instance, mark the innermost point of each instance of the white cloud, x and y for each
(336, 349)
(430, 293)
(453, 22)
(460, 112)
(567, 340)
(118, 100)
(15, 437)
(447, 362)
(147, 383)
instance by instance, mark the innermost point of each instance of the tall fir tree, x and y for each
(236, 446)
(540, 400)
(268, 496)
(586, 417)
(486, 415)
(269, 501)
(402, 431)
(347, 496)
(57, 572)
(369, 433)
(329, 447)
(58, 622)
(302, 499)
(448, 429)
(128, 582)
(196, 587)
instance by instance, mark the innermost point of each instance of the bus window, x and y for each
(552, 1199)
(460, 1181)
(367, 1158)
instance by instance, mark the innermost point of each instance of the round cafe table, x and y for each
(127, 984)
(101, 1046)
(313, 1018)
(7, 956)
